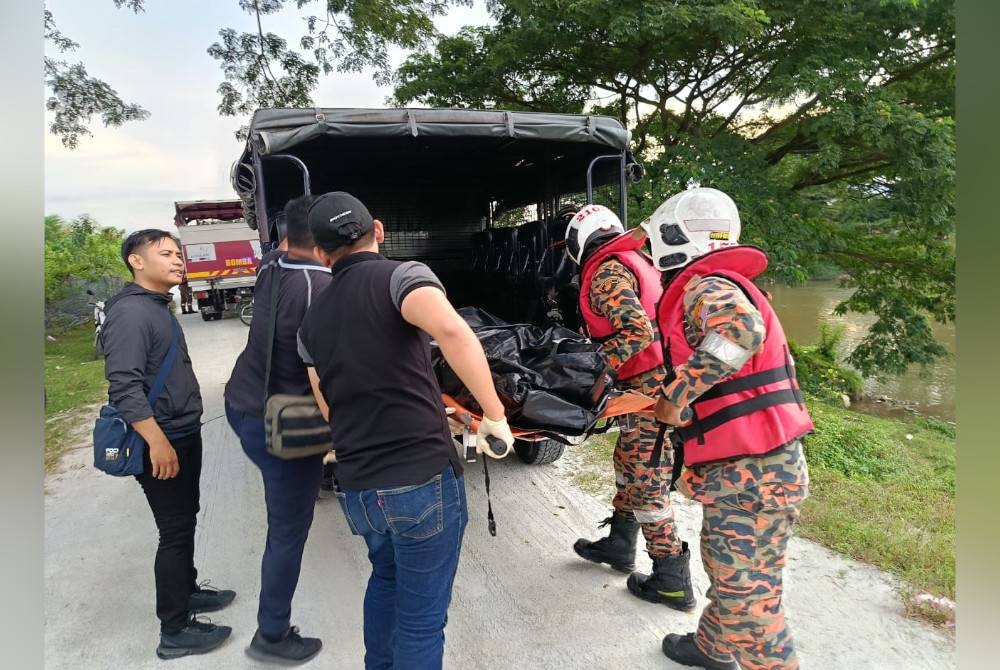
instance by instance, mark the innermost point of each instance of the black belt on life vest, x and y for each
(698, 428)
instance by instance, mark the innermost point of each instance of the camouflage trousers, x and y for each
(750, 506)
(643, 490)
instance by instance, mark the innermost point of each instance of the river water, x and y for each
(803, 308)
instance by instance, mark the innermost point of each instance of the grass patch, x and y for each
(883, 491)
(878, 495)
(74, 382)
(596, 474)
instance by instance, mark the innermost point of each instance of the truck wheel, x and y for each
(205, 316)
(540, 452)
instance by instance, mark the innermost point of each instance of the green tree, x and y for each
(831, 126)
(75, 96)
(80, 250)
(261, 69)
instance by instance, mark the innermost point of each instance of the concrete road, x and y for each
(521, 600)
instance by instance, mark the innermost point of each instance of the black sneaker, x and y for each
(682, 649)
(291, 649)
(198, 636)
(206, 598)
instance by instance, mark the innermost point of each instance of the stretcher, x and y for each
(619, 403)
(624, 402)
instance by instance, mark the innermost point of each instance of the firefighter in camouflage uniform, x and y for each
(619, 290)
(729, 363)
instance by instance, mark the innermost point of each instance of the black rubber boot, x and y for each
(682, 649)
(197, 637)
(618, 548)
(291, 649)
(670, 583)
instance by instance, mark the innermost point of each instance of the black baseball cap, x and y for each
(338, 219)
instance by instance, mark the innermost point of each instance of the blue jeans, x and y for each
(290, 491)
(414, 536)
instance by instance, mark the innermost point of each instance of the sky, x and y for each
(129, 177)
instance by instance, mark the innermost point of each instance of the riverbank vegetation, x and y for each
(818, 371)
(883, 492)
(882, 489)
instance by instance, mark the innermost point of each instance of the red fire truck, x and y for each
(221, 254)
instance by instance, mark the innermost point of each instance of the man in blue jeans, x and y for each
(366, 340)
(290, 486)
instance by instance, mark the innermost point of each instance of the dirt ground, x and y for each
(521, 600)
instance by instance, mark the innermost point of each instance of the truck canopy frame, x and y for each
(439, 164)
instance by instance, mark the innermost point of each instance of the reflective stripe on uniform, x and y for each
(652, 516)
(724, 350)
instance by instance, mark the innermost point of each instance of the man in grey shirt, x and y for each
(135, 339)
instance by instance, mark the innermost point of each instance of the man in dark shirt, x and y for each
(367, 342)
(135, 339)
(290, 486)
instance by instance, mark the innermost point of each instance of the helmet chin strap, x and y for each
(667, 276)
(595, 242)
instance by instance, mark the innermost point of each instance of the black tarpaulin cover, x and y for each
(549, 379)
(277, 130)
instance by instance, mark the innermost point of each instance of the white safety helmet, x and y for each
(690, 224)
(591, 220)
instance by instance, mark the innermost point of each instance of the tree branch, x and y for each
(910, 71)
(263, 50)
(817, 181)
(787, 121)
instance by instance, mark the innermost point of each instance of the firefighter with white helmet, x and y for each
(729, 366)
(691, 224)
(619, 290)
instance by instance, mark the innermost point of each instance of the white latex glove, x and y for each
(498, 429)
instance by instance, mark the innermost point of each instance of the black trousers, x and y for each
(175, 504)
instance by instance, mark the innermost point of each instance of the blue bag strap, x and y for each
(168, 364)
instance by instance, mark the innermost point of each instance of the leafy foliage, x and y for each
(261, 69)
(80, 251)
(817, 370)
(831, 128)
(76, 96)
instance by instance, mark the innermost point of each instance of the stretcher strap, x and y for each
(490, 521)
(657, 456)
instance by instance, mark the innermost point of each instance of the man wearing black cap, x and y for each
(366, 340)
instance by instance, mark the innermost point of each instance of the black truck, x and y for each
(476, 195)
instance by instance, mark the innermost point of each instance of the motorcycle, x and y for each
(246, 312)
(244, 297)
(99, 318)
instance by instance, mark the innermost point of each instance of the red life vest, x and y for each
(758, 409)
(626, 249)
